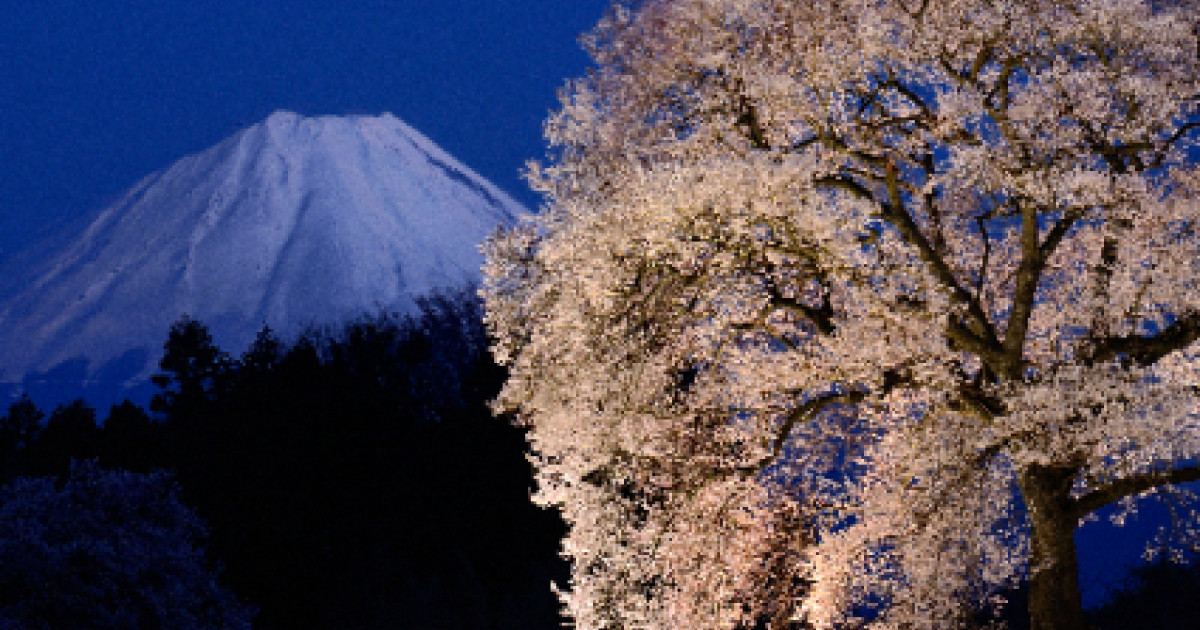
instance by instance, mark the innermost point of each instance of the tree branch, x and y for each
(1161, 157)
(845, 183)
(821, 316)
(1028, 274)
(804, 412)
(926, 111)
(983, 264)
(1148, 350)
(1060, 229)
(1128, 486)
(977, 335)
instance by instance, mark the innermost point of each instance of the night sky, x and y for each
(96, 95)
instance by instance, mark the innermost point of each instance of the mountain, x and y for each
(292, 222)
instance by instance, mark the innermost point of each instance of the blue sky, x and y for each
(94, 95)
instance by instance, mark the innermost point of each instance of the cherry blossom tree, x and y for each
(852, 311)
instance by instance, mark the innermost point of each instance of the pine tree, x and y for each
(192, 366)
(19, 430)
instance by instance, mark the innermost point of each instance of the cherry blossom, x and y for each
(850, 312)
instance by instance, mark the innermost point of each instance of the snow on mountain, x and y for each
(294, 221)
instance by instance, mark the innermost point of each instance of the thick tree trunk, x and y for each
(1054, 599)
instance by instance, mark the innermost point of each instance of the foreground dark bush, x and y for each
(106, 550)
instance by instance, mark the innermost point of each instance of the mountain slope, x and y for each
(294, 221)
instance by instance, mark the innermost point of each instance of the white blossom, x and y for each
(918, 274)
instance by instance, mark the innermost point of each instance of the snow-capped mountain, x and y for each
(294, 221)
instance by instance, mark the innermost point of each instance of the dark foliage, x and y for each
(131, 440)
(107, 550)
(354, 479)
(70, 433)
(1162, 595)
(19, 430)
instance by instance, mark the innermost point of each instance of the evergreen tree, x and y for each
(131, 440)
(263, 354)
(71, 433)
(192, 367)
(19, 430)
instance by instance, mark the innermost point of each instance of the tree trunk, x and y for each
(1054, 598)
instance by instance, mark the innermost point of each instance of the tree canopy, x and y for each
(851, 312)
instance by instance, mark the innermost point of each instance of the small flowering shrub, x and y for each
(106, 550)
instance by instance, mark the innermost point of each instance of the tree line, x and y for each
(355, 478)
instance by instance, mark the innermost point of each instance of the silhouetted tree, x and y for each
(70, 433)
(192, 366)
(263, 354)
(193, 372)
(354, 479)
(1160, 595)
(131, 440)
(19, 429)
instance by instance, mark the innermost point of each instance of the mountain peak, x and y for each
(291, 222)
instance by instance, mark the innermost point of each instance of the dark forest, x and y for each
(354, 478)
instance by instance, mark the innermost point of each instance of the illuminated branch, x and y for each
(1147, 350)
(1129, 486)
